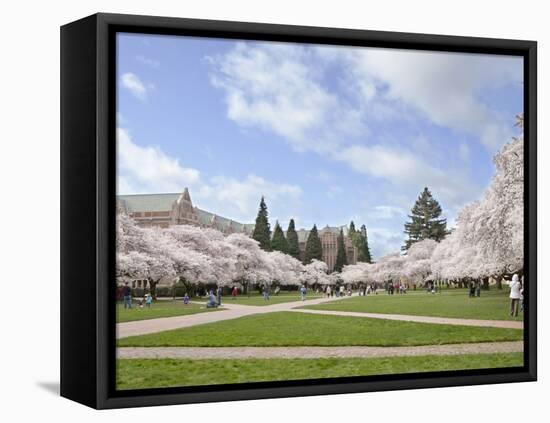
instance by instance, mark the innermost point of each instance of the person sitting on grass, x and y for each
(211, 303)
(148, 300)
(186, 299)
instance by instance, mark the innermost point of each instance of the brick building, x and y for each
(177, 209)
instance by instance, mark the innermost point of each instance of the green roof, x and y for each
(163, 202)
(147, 202)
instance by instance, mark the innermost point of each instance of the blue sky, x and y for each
(328, 134)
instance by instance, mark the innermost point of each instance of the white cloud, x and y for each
(241, 197)
(274, 87)
(386, 212)
(444, 87)
(149, 169)
(284, 89)
(383, 241)
(407, 170)
(133, 84)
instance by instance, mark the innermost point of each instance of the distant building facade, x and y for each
(165, 210)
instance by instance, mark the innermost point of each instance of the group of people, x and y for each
(146, 301)
(399, 288)
(474, 289)
(215, 299)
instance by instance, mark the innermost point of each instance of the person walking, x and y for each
(303, 292)
(234, 292)
(266, 293)
(515, 295)
(127, 295)
(328, 291)
(219, 295)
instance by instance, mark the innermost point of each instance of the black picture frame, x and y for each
(88, 192)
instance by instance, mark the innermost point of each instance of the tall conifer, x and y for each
(426, 221)
(292, 240)
(279, 242)
(262, 231)
(341, 256)
(314, 248)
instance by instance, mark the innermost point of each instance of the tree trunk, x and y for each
(153, 288)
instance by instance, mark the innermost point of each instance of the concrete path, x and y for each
(208, 353)
(229, 311)
(234, 311)
(503, 324)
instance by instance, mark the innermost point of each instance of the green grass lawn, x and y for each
(256, 299)
(160, 373)
(161, 308)
(300, 329)
(492, 305)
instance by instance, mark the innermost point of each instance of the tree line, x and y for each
(289, 243)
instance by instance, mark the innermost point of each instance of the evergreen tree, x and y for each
(364, 250)
(425, 220)
(314, 249)
(360, 242)
(292, 240)
(341, 256)
(262, 232)
(279, 242)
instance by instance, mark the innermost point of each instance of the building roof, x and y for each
(147, 202)
(163, 202)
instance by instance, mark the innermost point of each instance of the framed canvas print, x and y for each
(257, 211)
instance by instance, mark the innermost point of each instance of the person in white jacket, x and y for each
(515, 295)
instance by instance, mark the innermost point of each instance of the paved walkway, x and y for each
(503, 324)
(229, 311)
(234, 311)
(316, 352)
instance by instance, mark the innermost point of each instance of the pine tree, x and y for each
(360, 242)
(425, 220)
(292, 240)
(341, 256)
(364, 250)
(314, 249)
(262, 232)
(279, 242)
